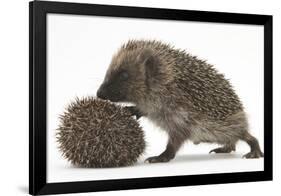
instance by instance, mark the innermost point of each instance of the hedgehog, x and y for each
(182, 94)
(96, 133)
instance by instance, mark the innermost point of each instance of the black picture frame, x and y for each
(37, 97)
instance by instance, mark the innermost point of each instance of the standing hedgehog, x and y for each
(182, 94)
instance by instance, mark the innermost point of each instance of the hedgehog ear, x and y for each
(150, 63)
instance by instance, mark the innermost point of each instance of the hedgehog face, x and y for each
(127, 78)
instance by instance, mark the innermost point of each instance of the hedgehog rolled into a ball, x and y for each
(98, 133)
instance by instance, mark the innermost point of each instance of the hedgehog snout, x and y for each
(106, 92)
(101, 93)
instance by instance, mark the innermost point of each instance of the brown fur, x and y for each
(182, 94)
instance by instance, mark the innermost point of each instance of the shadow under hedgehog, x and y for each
(180, 93)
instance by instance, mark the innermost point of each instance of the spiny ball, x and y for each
(98, 133)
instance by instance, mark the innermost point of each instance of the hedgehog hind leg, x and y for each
(227, 148)
(254, 145)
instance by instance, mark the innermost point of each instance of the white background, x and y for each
(14, 99)
(79, 51)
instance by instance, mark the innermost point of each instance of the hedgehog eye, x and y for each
(124, 75)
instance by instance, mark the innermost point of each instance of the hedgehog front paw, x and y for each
(134, 111)
(157, 159)
(253, 154)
